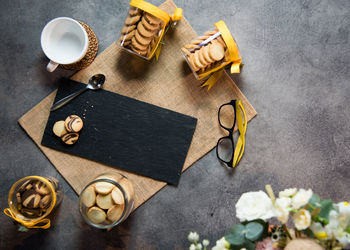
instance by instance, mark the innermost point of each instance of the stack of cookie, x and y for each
(103, 202)
(68, 130)
(203, 58)
(34, 197)
(140, 32)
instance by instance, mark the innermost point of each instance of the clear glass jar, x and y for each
(32, 198)
(141, 33)
(107, 200)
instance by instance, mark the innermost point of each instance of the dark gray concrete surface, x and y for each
(296, 75)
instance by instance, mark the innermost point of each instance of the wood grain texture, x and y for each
(167, 83)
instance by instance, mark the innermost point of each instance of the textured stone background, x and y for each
(296, 75)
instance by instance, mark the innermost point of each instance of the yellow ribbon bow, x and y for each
(234, 57)
(162, 15)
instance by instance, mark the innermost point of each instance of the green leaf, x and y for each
(315, 200)
(254, 231)
(235, 236)
(326, 207)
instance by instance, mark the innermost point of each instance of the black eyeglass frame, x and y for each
(230, 133)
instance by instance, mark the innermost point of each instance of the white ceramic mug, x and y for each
(64, 41)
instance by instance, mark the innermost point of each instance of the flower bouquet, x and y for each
(306, 222)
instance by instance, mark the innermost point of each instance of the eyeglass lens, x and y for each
(225, 149)
(227, 116)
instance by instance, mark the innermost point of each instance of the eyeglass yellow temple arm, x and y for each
(242, 128)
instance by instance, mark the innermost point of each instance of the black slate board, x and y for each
(125, 133)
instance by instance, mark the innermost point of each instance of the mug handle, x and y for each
(51, 66)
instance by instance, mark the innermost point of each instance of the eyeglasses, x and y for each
(225, 148)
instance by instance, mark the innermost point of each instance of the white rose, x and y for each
(221, 244)
(302, 219)
(206, 242)
(192, 247)
(287, 193)
(301, 198)
(254, 205)
(334, 229)
(282, 206)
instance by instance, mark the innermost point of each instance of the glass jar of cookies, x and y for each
(144, 28)
(107, 200)
(32, 199)
(211, 52)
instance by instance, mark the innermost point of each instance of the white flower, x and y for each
(287, 193)
(221, 244)
(193, 236)
(199, 246)
(301, 198)
(334, 229)
(192, 247)
(302, 219)
(282, 206)
(318, 230)
(344, 214)
(206, 242)
(254, 205)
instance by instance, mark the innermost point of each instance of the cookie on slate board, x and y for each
(73, 123)
(70, 138)
(59, 129)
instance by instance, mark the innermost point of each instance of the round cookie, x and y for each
(41, 188)
(132, 19)
(70, 138)
(186, 52)
(201, 57)
(59, 128)
(117, 196)
(220, 40)
(127, 29)
(104, 187)
(128, 36)
(30, 199)
(114, 213)
(137, 45)
(45, 201)
(196, 60)
(152, 19)
(88, 197)
(191, 60)
(96, 215)
(191, 46)
(104, 201)
(206, 54)
(73, 123)
(142, 40)
(133, 11)
(144, 32)
(148, 26)
(25, 186)
(216, 51)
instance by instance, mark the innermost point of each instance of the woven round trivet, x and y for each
(90, 54)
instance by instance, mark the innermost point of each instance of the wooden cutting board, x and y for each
(168, 83)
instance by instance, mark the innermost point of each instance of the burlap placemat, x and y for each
(167, 83)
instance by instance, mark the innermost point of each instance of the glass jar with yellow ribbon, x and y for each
(209, 54)
(144, 28)
(32, 199)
